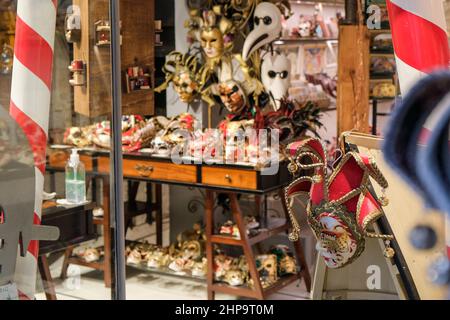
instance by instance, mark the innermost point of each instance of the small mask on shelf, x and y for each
(235, 278)
(267, 268)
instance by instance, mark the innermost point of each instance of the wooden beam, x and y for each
(353, 79)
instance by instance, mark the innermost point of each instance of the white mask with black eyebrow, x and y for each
(276, 76)
(267, 20)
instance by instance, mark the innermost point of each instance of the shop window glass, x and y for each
(46, 90)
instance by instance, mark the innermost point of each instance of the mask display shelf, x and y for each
(137, 37)
(384, 86)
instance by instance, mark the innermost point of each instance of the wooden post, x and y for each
(353, 79)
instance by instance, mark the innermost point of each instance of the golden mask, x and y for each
(212, 43)
(186, 74)
(185, 85)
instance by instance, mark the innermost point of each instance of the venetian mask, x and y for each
(304, 29)
(192, 250)
(91, 255)
(178, 265)
(267, 20)
(185, 85)
(211, 40)
(199, 268)
(267, 267)
(185, 73)
(222, 264)
(337, 240)
(286, 261)
(287, 265)
(340, 207)
(6, 59)
(157, 259)
(232, 96)
(235, 278)
(276, 76)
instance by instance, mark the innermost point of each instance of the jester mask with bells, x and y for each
(340, 207)
(276, 76)
(185, 74)
(267, 20)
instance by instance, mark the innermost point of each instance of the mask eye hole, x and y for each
(284, 74)
(267, 20)
(256, 19)
(272, 74)
(235, 89)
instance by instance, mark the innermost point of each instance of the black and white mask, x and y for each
(276, 76)
(267, 19)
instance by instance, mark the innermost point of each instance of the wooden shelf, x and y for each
(94, 99)
(245, 291)
(277, 226)
(166, 272)
(130, 211)
(97, 265)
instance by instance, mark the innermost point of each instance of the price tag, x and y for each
(9, 292)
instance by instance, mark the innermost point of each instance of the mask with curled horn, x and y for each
(340, 207)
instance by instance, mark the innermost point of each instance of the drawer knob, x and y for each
(228, 177)
(144, 170)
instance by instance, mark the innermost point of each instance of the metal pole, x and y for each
(116, 189)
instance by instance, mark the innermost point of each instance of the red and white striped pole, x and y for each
(419, 35)
(30, 106)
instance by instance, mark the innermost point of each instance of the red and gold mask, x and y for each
(232, 96)
(340, 206)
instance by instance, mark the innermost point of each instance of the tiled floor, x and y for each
(85, 284)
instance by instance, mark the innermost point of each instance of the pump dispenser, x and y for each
(75, 179)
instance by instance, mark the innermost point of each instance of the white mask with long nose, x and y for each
(276, 76)
(267, 19)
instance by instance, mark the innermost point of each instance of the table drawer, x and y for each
(224, 177)
(58, 159)
(153, 170)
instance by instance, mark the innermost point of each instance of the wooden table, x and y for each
(229, 179)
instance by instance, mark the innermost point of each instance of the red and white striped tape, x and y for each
(30, 106)
(419, 35)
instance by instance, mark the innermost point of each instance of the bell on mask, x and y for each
(267, 21)
(276, 77)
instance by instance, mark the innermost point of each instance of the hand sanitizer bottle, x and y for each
(75, 179)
